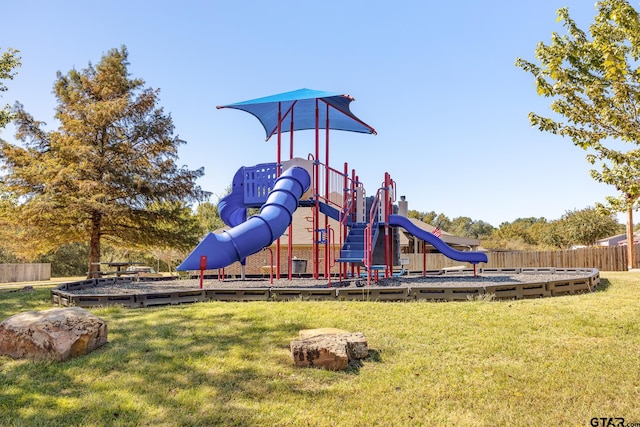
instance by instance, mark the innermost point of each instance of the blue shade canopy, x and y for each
(301, 106)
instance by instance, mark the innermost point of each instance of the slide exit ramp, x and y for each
(439, 244)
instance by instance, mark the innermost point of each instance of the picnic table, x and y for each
(121, 268)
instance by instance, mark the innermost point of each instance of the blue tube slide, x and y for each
(439, 244)
(231, 207)
(258, 231)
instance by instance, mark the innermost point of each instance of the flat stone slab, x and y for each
(57, 334)
(308, 333)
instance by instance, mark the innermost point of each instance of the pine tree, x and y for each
(107, 173)
(9, 61)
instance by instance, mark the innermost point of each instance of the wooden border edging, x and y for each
(373, 293)
(63, 294)
(242, 294)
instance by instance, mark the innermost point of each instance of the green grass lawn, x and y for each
(553, 361)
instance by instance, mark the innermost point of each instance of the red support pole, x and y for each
(270, 264)
(327, 272)
(291, 137)
(326, 149)
(314, 240)
(389, 212)
(317, 132)
(290, 229)
(387, 238)
(290, 252)
(316, 209)
(424, 259)
(278, 162)
(203, 267)
(354, 209)
(354, 196)
(327, 255)
(278, 152)
(343, 226)
(367, 252)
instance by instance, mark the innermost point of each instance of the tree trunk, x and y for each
(630, 241)
(94, 245)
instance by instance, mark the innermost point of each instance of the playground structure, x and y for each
(367, 230)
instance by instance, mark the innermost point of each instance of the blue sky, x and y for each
(437, 81)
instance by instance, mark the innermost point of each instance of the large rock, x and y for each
(56, 334)
(331, 349)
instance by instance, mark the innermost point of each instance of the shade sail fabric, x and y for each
(301, 105)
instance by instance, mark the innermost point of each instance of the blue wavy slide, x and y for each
(256, 232)
(439, 244)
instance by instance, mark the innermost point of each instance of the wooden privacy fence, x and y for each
(24, 272)
(604, 258)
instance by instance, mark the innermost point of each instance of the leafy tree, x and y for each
(6, 229)
(108, 173)
(209, 217)
(555, 236)
(460, 226)
(523, 233)
(442, 221)
(466, 227)
(586, 226)
(7, 257)
(67, 260)
(9, 61)
(480, 229)
(594, 83)
(412, 213)
(428, 217)
(432, 218)
(168, 256)
(537, 233)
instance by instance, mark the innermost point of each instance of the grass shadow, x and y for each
(189, 364)
(374, 356)
(14, 301)
(356, 364)
(604, 285)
